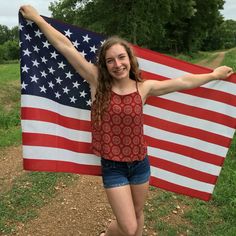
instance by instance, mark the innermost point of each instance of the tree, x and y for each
(8, 34)
(11, 48)
(166, 25)
(191, 22)
(14, 33)
(206, 20)
(4, 33)
(136, 21)
(229, 33)
(177, 26)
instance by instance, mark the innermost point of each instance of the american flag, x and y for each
(188, 132)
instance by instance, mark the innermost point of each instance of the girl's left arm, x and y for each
(189, 81)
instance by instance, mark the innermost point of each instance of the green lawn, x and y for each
(9, 105)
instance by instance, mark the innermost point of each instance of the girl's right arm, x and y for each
(87, 70)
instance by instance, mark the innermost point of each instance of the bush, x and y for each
(11, 49)
(1, 54)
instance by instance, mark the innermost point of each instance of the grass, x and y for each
(9, 105)
(28, 194)
(230, 59)
(194, 57)
(195, 217)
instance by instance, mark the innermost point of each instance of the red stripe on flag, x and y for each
(212, 94)
(147, 75)
(46, 140)
(169, 61)
(179, 189)
(185, 151)
(187, 131)
(182, 170)
(208, 93)
(60, 166)
(28, 113)
(192, 111)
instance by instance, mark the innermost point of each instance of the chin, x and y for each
(119, 77)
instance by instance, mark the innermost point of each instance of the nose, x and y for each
(117, 63)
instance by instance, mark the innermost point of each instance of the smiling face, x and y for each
(117, 62)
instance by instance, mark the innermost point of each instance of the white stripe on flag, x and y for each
(181, 180)
(201, 103)
(189, 121)
(173, 73)
(48, 104)
(221, 85)
(159, 69)
(185, 161)
(184, 140)
(41, 127)
(58, 154)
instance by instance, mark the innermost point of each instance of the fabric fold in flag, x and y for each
(188, 132)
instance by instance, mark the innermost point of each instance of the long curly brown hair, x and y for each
(103, 92)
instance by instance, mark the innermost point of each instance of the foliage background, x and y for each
(167, 26)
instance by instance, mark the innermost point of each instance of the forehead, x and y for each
(115, 50)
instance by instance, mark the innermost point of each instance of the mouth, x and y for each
(119, 71)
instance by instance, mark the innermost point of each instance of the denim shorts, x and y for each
(115, 173)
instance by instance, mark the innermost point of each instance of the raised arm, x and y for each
(189, 81)
(87, 70)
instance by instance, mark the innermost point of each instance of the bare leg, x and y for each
(127, 203)
(120, 199)
(139, 194)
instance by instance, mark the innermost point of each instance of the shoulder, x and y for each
(147, 85)
(157, 88)
(145, 88)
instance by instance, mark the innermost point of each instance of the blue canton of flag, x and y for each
(46, 73)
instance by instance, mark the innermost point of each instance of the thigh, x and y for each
(121, 201)
(114, 174)
(139, 196)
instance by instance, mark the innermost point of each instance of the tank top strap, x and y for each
(137, 87)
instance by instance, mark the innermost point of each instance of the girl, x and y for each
(118, 95)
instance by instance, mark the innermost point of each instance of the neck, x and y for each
(124, 86)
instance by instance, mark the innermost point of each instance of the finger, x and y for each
(22, 10)
(231, 70)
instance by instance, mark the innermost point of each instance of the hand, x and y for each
(29, 12)
(222, 72)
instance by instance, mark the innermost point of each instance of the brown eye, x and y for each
(122, 56)
(109, 61)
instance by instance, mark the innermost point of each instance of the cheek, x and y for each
(109, 67)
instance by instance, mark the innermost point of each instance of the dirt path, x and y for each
(80, 209)
(214, 63)
(10, 167)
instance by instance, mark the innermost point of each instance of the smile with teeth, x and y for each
(119, 71)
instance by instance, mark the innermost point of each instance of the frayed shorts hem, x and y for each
(117, 174)
(124, 184)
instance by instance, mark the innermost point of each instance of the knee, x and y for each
(130, 229)
(139, 215)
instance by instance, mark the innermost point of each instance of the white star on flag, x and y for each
(86, 38)
(93, 49)
(67, 33)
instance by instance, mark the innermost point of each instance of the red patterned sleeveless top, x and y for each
(120, 136)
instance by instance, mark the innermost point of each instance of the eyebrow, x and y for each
(121, 54)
